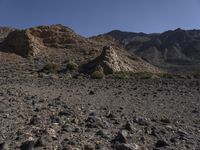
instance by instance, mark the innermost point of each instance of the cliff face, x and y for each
(32, 41)
(23, 43)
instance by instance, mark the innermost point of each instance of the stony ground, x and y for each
(99, 114)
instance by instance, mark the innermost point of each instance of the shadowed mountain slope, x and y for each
(178, 49)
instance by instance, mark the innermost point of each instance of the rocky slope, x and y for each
(179, 49)
(58, 44)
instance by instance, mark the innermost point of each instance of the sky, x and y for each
(93, 17)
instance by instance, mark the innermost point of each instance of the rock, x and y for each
(103, 134)
(65, 113)
(51, 132)
(67, 128)
(161, 143)
(43, 141)
(142, 121)
(129, 126)
(101, 147)
(35, 120)
(28, 145)
(157, 131)
(96, 122)
(69, 148)
(91, 93)
(121, 137)
(110, 115)
(77, 130)
(122, 146)
(40, 142)
(55, 120)
(75, 121)
(89, 147)
(182, 133)
(108, 61)
(173, 139)
(67, 144)
(165, 120)
(4, 146)
(31, 42)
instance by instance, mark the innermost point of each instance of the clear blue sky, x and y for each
(91, 17)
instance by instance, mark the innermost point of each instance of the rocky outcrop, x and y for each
(109, 61)
(31, 42)
(23, 43)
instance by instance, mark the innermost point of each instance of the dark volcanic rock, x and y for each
(161, 143)
(126, 147)
(28, 145)
(4, 146)
(121, 137)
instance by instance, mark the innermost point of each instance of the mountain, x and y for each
(177, 50)
(39, 46)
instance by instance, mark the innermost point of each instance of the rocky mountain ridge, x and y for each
(178, 48)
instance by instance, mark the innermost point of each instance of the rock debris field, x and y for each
(99, 114)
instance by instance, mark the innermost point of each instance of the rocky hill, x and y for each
(39, 46)
(173, 50)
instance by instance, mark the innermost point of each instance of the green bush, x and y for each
(143, 75)
(49, 68)
(166, 75)
(129, 74)
(122, 75)
(98, 75)
(43, 27)
(72, 65)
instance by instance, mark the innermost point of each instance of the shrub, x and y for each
(49, 68)
(122, 75)
(166, 75)
(43, 27)
(196, 75)
(72, 65)
(143, 75)
(98, 75)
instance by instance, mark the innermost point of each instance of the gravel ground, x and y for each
(54, 114)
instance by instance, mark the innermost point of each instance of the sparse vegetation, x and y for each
(173, 76)
(98, 75)
(43, 27)
(138, 75)
(122, 75)
(166, 75)
(196, 75)
(49, 68)
(143, 75)
(71, 65)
